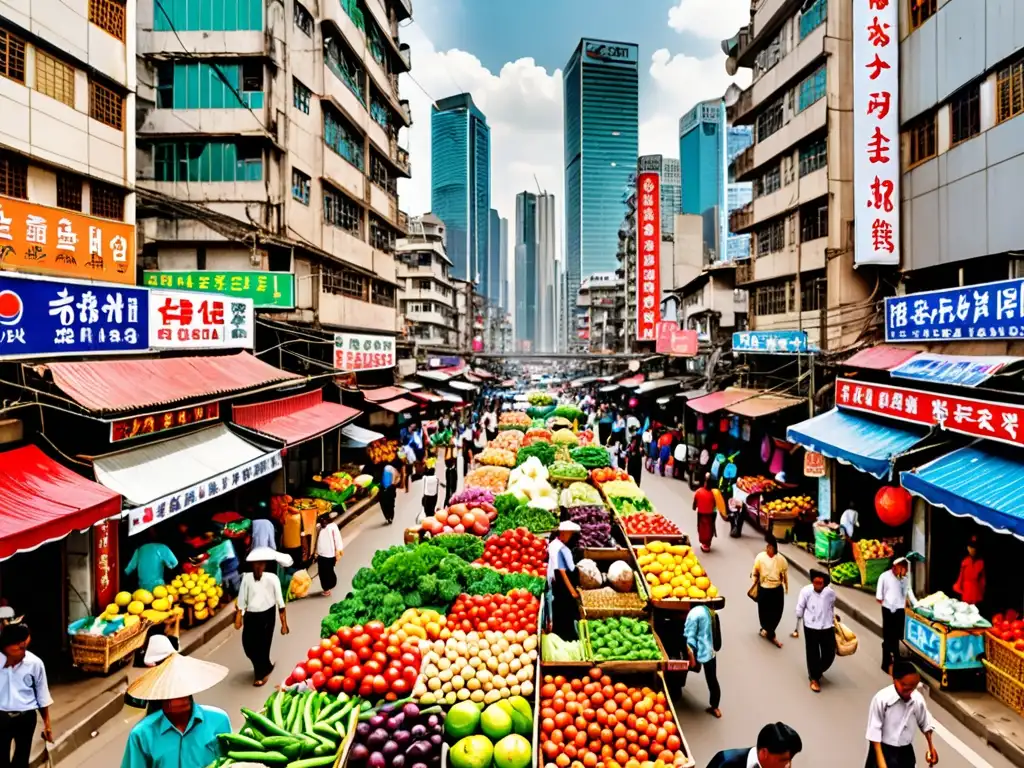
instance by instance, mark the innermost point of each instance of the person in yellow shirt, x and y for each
(771, 584)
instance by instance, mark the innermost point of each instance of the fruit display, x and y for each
(591, 456)
(533, 434)
(564, 437)
(626, 498)
(585, 437)
(395, 735)
(954, 613)
(361, 660)
(622, 639)
(128, 610)
(607, 474)
(509, 440)
(649, 524)
(539, 399)
(498, 736)
(607, 598)
(499, 613)
(595, 525)
(474, 497)
(593, 721)
(382, 451)
(481, 667)
(417, 624)
(873, 549)
(493, 479)
(497, 457)
(567, 471)
(458, 518)
(790, 506)
(514, 420)
(198, 589)
(756, 484)
(1009, 628)
(336, 482)
(516, 551)
(554, 649)
(845, 574)
(673, 572)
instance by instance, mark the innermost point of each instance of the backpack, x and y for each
(716, 631)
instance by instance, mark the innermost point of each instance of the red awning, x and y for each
(383, 393)
(41, 501)
(125, 385)
(427, 397)
(294, 419)
(399, 405)
(884, 357)
(716, 401)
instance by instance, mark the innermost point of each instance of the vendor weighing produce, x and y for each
(560, 558)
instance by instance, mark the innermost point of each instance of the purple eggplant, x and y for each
(359, 753)
(377, 739)
(376, 760)
(411, 711)
(398, 761)
(377, 720)
(395, 722)
(402, 738)
(419, 732)
(390, 749)
(420, 751)
(363, 731)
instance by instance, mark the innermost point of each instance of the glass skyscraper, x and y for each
(527, 245)
(491, 286)
(460, 183)
(601, 126)
(701, 154)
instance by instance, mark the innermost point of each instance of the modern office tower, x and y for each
(668, 170)
(491, 289)
(701, 156)
(600, 129)
(536, 289)
(460, 182)
(504, 277)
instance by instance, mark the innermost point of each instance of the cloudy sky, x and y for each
(510, 56)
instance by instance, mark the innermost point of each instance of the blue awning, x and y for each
(866, 443)
(981, 481)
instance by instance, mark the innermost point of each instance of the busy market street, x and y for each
(760, 683)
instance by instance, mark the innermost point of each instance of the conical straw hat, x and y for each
(177, 677)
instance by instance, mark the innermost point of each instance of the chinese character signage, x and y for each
(141, 518)
(105, 562)
(363, 352)
(47, 317)
(183, 320)
(648, 256)
(157, 423)
(268, 290)
(55, 241)
(675, 341)
(988, 311)
(770, 342)
(965, 415)
(952, 369)
(814, 464)
(876, 131)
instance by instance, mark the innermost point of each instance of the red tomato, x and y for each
(314, 652)
(364, 653)
(400, 687)
(318, 680)
(373, 667)
(327, 656)
(375, 628)
(391, 674)
(335, 685)
(351, 658)
(409, 674)
(298, 674)
(393, 651)
(325, 644)
(348, 685)
(380, 685)
(380, 657)
(338, 665)
(354, 673)
(314, 665)
(345, 635)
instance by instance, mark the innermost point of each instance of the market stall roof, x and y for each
(632, 381)
(125, 385)
(399, 405)
(981, 481)
(172, 470)
(409, 385)
(472, 378)
(427, 397)
(294, 419)
(869, 445)
(450, 397)
(763, 405)
(884, 357)
(653, 386)
(716, 401)
(961, 370)
(41, 500)
(692, 394)
(381, 394)
(358, 437)
(464, 386)
(483, 374)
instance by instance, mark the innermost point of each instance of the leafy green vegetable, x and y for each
(543, 451)
(413, 599)
(568, 470)
(591, 456)
(537, 520)
(447, 591)
(364, 577)
(428, 586)
(464, 545)
(337, 498)
(622, 638)
(570, 412)
(402, 570)
(383, 554)
(534, 584)
(490, 583)
(507, 502)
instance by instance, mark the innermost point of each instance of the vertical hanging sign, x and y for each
(876, 131)
(648, 255)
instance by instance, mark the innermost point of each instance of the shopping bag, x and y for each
(846, 640)
(300, 584)
(752, 592)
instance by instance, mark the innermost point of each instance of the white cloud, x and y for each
(714, 19)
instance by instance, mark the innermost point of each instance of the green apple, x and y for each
(463, 720)
(496, 722)
(471, 752)
(513, 751)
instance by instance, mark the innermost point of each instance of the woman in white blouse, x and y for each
(258, 597)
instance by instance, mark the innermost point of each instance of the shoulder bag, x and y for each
(846, 640)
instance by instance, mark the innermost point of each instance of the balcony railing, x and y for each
(743, 162)
(744, 271)
(741, 218)
(403, 221)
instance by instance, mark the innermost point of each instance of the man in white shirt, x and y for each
(679, 461)
(849, 521)
(329, 547)
(430, 488)
(894, 712)
(259, 598)
(891, 594)
(816, 609)
(23, 692)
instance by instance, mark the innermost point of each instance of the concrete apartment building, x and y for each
(67, 140)
(801, 165)
(599, 301)
(426, 297)
(268, 139)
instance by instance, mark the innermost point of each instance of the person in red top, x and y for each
(704, 503)
(971, 583)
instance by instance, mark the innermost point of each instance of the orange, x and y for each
(580, 740)
(558, 705)
(589, 760)
(621, 756)
(619, 730)
(606, 736)
(594, 731)
(562, 761)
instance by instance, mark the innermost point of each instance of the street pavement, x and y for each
(760, 683)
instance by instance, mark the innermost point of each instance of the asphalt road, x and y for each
(760, 683)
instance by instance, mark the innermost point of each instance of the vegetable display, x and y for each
(544, 452)
(579, 494)
(569, 412)
(482, 667)
(441, 439)
(591, 456)
(497, 457)
(622, 639)
(673, 572)
(846, 574)
(955, 613)
(463, 545)
(417, 624)
(509, 440)
(540, 398)
(554, 649)
(539, 411)
(498, 613)
(473, 497)
(585, 436)
(608, 598)
(626, 498)
(607, 474)
(493, 479)
(531, 518)
(394, 736)
(595, 525)
(516, 551)
(564, 437)
(382, 451)
(649, 524)
(460, 518)
(514, 420)
(567, 470)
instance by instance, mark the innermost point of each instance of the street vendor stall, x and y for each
(948, 636)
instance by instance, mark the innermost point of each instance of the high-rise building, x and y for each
(491, 288)
(427, 296)
(460, 183)
(668, 170)
(527, 246)
(537, 265)
(601, 126)
(504, 277)
(701, 153)
(737, 193)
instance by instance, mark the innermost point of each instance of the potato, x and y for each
(458, 682)
(462, 694)
(434, 684)
(445, 675)
(526, 689)
(477, 696)
(515, 690)
(530, 643)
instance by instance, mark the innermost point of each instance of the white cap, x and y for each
(568, 525)
(266, 554)
(158, 649)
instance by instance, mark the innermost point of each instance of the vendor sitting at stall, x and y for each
(848, 524)
(560, 598)
(150, 560)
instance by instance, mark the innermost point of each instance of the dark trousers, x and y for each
(387, 502)
(328, 576)
(893, 624)
(18, 728)
(770, 605)
(466, 458)
(429, 505)
(895, 757)
(451, 480)
(820, 645)
(257, 636)
(710, 669)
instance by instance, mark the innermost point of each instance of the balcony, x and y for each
(743, 106)
(741, 219)
(399, 157)
(403, 221)
(405, 52)
(792, 133)
(781, 76)
(744, 271)
(743, 163)
(430, 318)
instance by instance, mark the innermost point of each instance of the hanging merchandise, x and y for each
(700, 422)
(723, 425)
(734, 426)
(893, 505)
(745, 431)
(766, 448)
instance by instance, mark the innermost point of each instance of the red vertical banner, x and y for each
(105, 562)
(648, 256)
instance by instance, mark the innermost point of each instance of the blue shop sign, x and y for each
(770, 342)
(43, 317)
(988, 311)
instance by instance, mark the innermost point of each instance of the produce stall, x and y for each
(948, 635)
(1004, 660)
(778, 511)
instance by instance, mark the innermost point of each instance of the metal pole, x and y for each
(810, 392)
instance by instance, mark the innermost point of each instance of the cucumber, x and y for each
(322, 729)
(307, 713)
(277, 709)
(325, 749)
(279, 742)
(267, 758)
(293, 708)
(265, 724)
(238, 741)
(313, 762)
(340, 728)
(338, 714)
(298, 724)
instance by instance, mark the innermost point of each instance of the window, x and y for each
(814, 221)
(921, 139)
(921, 11)
(377, 46)
(813, 157)
(108, 15)
(252, 77)
(13, 176)
(770, 56)
(769, 182)
(300, 96)
(209, 85)
(55, 78)
(300, 186)
(383, 294)
(351, 7)
(344, 282)
(965, 113)
(303, 19)
(424, 285)
(343, 139)
(379, 112)
(812, 294)
(208, 161)
(106, 105)
(812, 89)
(207, 15)
(12, 56)
(345, 66)
(813, 17)
(382, 236)
(771, 238)
(106, 201)
(381, 175)
(69, 192)
(1010, 91)
(769, 121)
(341, 212)
(773, 299)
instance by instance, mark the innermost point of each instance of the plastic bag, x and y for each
(620, 577)
(590, 574)
(300, 584)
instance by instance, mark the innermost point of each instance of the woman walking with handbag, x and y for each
(816, 609)
(771, 584)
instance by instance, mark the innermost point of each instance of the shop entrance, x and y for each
(34, 584)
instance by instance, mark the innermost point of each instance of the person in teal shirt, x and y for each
(182, 734)
(700, 643)
(150, 560)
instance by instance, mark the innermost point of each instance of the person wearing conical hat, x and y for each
(259, 596)
(182, 734)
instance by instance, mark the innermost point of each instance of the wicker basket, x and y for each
(100, 653)
(1004, 688)
(870, 570)
(1004, 657)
